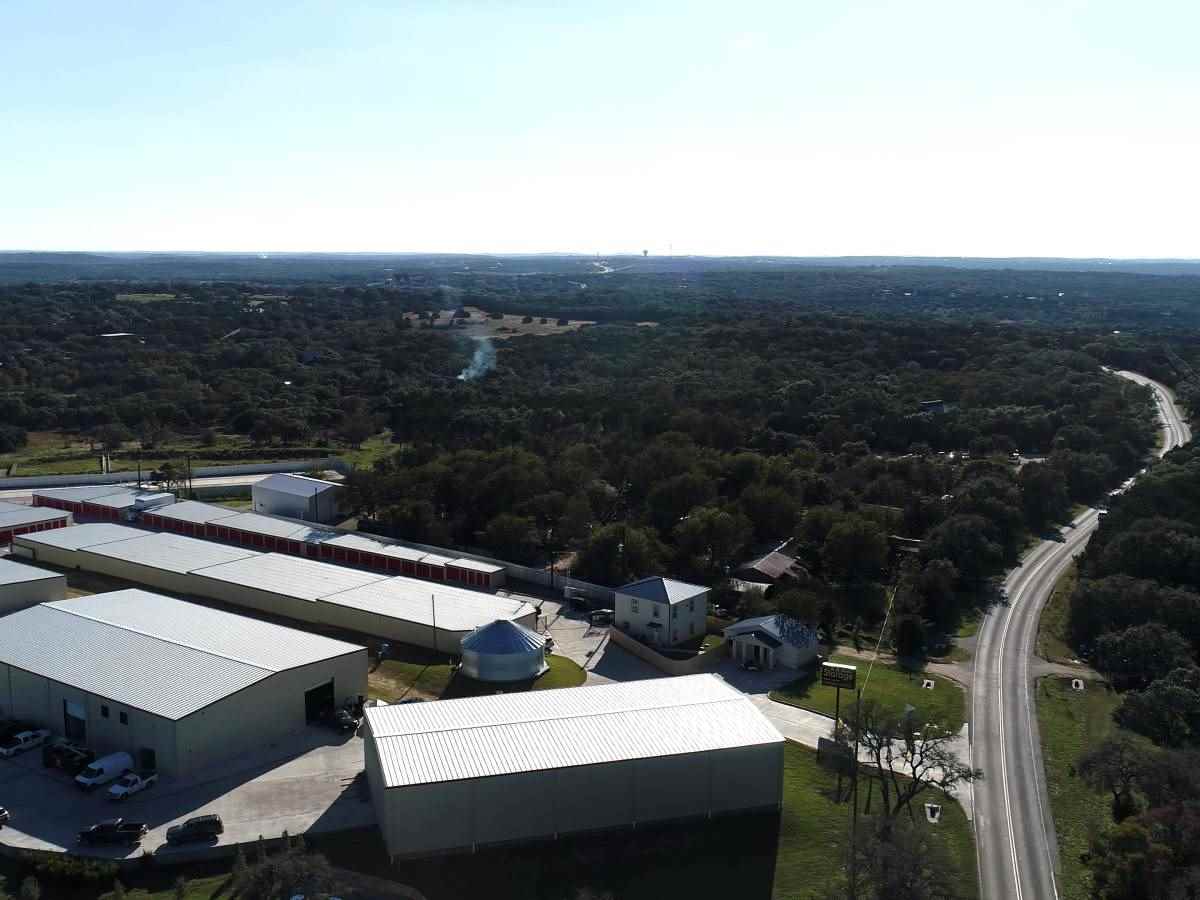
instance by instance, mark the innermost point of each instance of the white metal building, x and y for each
(661, 612)
(158, 559)
(16, 519)
(105, 502)
(460, 774)
(60, 547)
(503, 651)
(771, 641)
(180, 686)
(298, 497)
(22, 586)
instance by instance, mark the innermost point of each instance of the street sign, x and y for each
(838, 675)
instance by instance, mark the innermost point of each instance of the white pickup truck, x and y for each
(131, 783)
(22, 741)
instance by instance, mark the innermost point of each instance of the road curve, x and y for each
(1014, 828)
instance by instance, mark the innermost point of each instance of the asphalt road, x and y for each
(1014, 828)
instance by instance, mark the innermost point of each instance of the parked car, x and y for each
(103, 770)
(132, 783)
(601, 617)
(344, 720)
(65, 755)
(114, 831)
(4, 816)
(10, 727)
(24, 740)
(199, 828)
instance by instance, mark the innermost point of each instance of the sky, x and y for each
(803, 128)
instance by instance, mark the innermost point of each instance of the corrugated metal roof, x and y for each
(29, 515)
(413, 601)
(171, 552)
(662, 590)
(434, 559)
(291, 576)
(5, 506)
(504, 734)
(195, 512)
(76, 537)
(79, 494)
(475, 565)
(370, 545)
(260, 524)
(503, 638)
(19, 573)
(296, 485)
(128, 499)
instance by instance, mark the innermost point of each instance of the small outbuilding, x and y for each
(23, 586)
(772, 641)
(298, 497)
(503, 651)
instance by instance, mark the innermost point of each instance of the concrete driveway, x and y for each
(576, 639)
(314, 784)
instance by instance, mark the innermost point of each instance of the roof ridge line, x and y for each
(159, 637)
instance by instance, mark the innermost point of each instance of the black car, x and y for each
(200, 828)
(71, 758)
(4, 816)
(114, 831)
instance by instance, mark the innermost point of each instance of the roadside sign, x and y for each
(838, 675)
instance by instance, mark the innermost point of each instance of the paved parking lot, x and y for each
(576, 639)
(315, 784)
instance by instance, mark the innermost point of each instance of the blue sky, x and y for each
(804, 128)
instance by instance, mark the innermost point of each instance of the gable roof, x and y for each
(503, 637)
(296, 485)
(771, 566)
(662, 590)
(780, 628)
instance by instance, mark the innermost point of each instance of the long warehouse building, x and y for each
(460, 774)
(16, 520)
(179, 686)
(396, 608)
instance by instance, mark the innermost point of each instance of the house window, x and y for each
(656, 615)
(124, 718)
(633, 604)
(103, 711)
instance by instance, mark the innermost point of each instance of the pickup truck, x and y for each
(22, 741)
(131, 783)
(199, 828)
(114, 831)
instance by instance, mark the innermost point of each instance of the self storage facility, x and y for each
(460, 774)
(179, 686)
(17, 520)
(22, 586)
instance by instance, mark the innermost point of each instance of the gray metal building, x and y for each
(460, 774)
(60, 547)
(503, 651)
(297, 497)
(180, 686)
(22, 586)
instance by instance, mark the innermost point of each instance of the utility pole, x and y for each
(854, 808)
(433, 606)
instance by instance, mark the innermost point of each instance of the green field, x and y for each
(891, 685)
(562, 673)
(1052, 627)
(420, 674)
(144, 298)
(1070, 722)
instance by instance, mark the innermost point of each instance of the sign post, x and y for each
(838, 676)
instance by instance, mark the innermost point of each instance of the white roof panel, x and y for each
(298, 485)
(289, 576)
(76, 537)
(28, 515)
(415, 601)
(171, 552)
(195, 512)
(423, 743)
(79, 494)
(662, 590)
(370, 545)
(475, 566)
(18, 573)
(435, 559)
(260, 524)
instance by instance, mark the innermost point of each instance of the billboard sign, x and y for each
(838, 675)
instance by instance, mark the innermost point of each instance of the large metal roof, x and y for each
(260, 524)
(504, 638)
(13, 516)
(297, 485)
(76, 537)
(80, 494)
(154, 653)
(194, 511)
(289, 576)
(456, 609)
(370, 545)
(171, 552)
(662, 590)
(476, 566)
(479, 737)
(18, 573)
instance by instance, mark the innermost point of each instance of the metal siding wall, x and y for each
(591, 798)
(6, 701)
(31, 699)
(55, 556)
(512, 808)
(430, 817)
(746, 778)
(14, 597)
(671, 787)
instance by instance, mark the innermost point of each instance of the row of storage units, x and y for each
(105, 503)
(261, 532)
(16, 520)
(395, 608)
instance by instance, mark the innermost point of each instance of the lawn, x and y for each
(562, 673)
(417, 674)
(890, 685)
(1070, 722)
(1052, 627)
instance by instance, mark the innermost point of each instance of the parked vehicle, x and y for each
(199, 828)
(10, 727)
(4, 816)
(132, 783)
(24, 740)
(103, 770)
(601, 617)
(114, 831)
(71, 758)
(344, 720)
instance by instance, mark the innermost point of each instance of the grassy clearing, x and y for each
(144, 298)
(1052, 627)
(970, 624)
(417, 675)
(1070, 722)
(562, 673)
(373, 448)
(890, 685)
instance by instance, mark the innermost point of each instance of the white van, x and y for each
(105, 769)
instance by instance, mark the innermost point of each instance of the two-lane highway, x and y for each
(1014, 828)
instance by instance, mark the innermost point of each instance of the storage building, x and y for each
(16, 519)
(60, 547)
(460, 774)
(503, 651)
(109, 503)
(474, 573)
(180, 686)
(22, 586)
(265, 533)
(158, 559)
(298, 497)
(359, 550)
(189, 517)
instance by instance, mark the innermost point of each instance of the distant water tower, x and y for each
(645, 253)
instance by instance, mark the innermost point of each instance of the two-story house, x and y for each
(661, 612)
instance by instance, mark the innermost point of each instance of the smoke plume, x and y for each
(482, 362)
